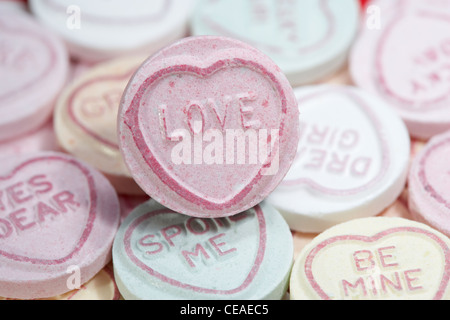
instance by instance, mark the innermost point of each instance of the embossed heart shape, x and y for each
(204, 89)
(325, 181)
(84, 111)
(414, 84)
(209, 281)
(46, 223)
(387, 237)
(433, 184)
(23, 45)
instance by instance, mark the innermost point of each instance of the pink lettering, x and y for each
(217, 246)
(197, 251)
(169, 236)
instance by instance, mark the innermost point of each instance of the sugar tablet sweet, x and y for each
(308, 39)
(429, 184)
(208, 126)
(352, 159)
(33, 70)
(160, 254)
(58, 218)
(85, 119)
(405, 61)
(374, 258)
(104, 29)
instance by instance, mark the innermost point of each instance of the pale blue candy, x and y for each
(308, 39)
(158, 254)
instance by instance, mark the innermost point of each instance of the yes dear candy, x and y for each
(26, 203)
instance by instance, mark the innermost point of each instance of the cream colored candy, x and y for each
(374, 258)
(85, 119)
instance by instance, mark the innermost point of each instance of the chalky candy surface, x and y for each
(86, 119)
(99, 30)
(33, 69)
(405, 58)
(208, 126)
(57, 215)
(374, 258)
(160, 254)
(352, 159)
(308, 39)
(429, 184)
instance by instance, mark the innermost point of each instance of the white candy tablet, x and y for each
(160, 254)
(374, 259)
(103, 29)
(308, 39)
(351, 162)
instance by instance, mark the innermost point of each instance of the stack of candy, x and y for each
(224, 149)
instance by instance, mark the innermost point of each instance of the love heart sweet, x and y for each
(406, 62)
(208, 126)
(33, 70)
(48, 226)
(374, 258)
(161, 254)
(351, 162)
(429, 184)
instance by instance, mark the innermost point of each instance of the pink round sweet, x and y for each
(58, 219)
(33, 69)
(403, 54)
(429, 184)
(183, 121)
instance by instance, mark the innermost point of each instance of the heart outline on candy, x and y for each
(246, 282)
(52, 58)
(131, 121)
(380, 78)
(323, 6)
(78, 122)
(308, 269)
(89, 221)
(423, 177)
(363, 107)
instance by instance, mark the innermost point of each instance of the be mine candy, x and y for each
(352, 159)
(33, 70)
(308, 39)
(373, 258)
(86, 116)
(103, 29)
(429, 184)
(208, 126)
(57, 216)
(406, 61)
(160, 254)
